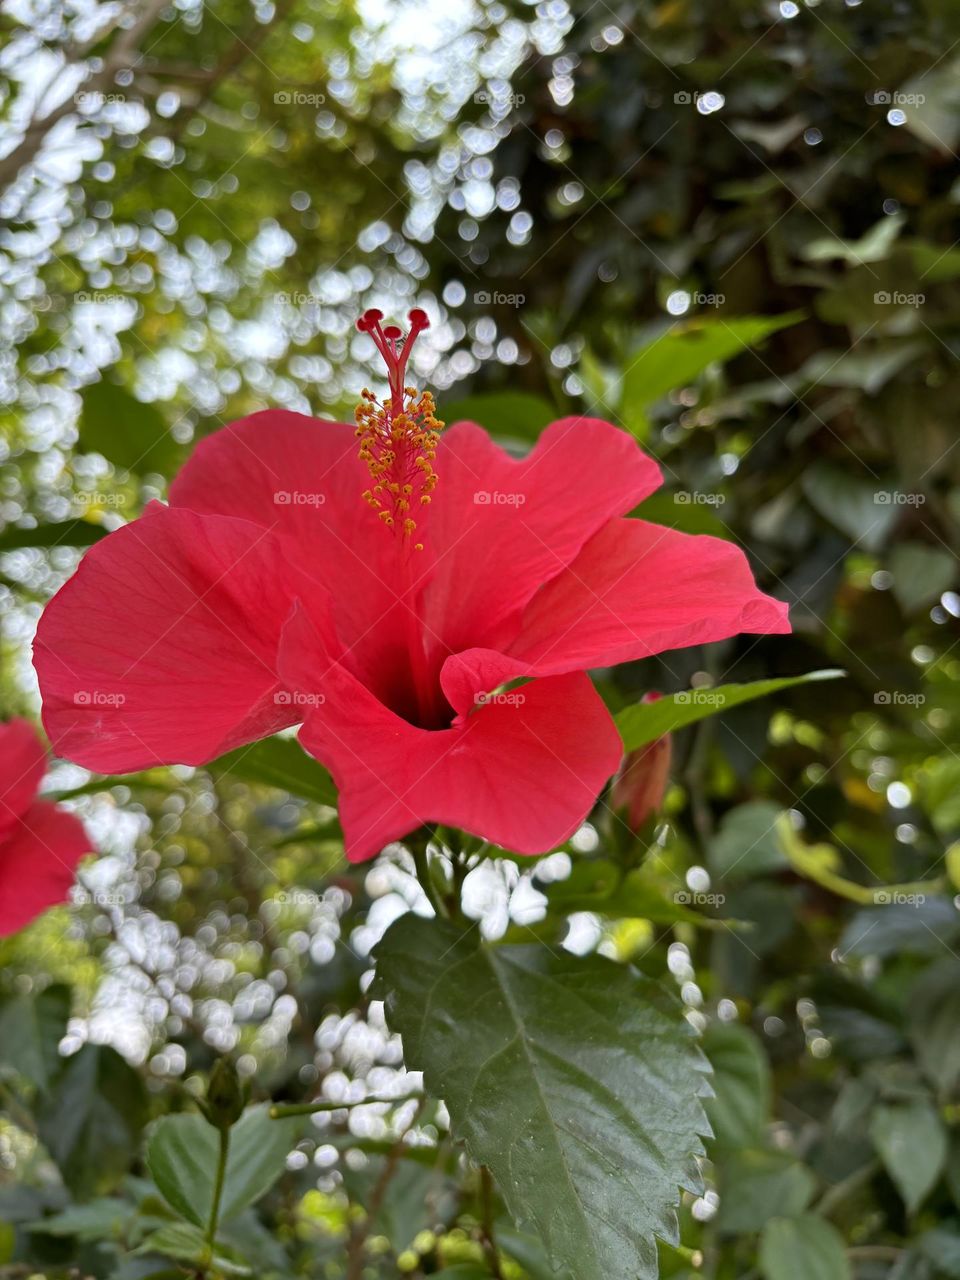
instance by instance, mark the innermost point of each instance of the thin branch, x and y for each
(123, 55)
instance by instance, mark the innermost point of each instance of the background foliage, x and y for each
(730, 230)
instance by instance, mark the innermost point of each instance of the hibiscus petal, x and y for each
(38, 857)
(635, 590)
(522, 772)
(500, 527)
(23, 762)
(162, 647)
(302, 478)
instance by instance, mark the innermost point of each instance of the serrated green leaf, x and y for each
(803, 1248)
(646, 721)
(182, 1154)
(574, 1080)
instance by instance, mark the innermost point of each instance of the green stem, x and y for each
(418, 846)
(282, 1109)
(218, 1188)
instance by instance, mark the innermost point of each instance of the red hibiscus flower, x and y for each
(40, 845)
(382, 591)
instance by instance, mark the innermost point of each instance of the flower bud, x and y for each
(639, 787)
(225, 1100)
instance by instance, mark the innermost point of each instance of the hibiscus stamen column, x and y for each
(398, 442)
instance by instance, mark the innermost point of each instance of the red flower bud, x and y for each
(639, 787)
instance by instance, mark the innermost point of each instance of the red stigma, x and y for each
(393, 347)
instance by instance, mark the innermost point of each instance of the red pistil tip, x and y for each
(369, 319)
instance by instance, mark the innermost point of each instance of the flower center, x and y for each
(398, 437)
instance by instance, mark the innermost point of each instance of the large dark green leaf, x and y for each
(130, 434)
(683, 352)
(504, 413)
(645, 721)
(182, 1155)
(31, 1028)
(573, 1079)
(283, 763)
(98, 1106)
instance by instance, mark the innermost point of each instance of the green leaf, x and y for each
(682, 353)
(98, 1104)
(63, 533)
(282, 763)
(860, 508)
(645, 721)
(185, 1242)
(912, 1145)
(103, 1219)
(183, 1151)
(803, 1248)
(504, 413)
(126, 431)
(748, 842)
(741, 1082)
(934, 1022)
(920, 574)
(31, 1028)
(759, 1185)
(573, 1079)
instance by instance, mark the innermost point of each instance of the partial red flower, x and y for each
(381, 584)
(40, 845)
(639, 787)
